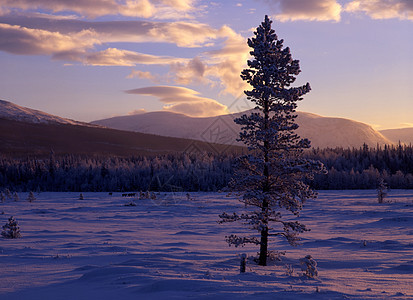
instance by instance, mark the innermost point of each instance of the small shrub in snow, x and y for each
(31, 197)
(309, 266)
(272, 256)
(381, 190)
(147, 195)
(130, 203)
(81, 196)
(2, 197)
(16, 197)
(243, 263)
(8, 194)
(11, 230)
(275, 255)
(289, 270)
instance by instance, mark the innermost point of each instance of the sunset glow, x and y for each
(94, 59)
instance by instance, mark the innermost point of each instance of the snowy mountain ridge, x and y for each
(402, 135)
(321, 131)
(11, 111)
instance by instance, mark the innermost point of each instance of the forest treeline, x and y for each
(347, 169)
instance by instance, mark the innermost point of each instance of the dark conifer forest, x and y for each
(347, 169)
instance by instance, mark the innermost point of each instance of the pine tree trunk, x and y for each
(263, 248)
(265, 189)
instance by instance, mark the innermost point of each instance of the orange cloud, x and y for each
(182, 34)
(20, 40)
(183, 100)
(137, 112)
(96, 8)
(193, 71)
(117, 57)
(200, 109)
(217, 68)
(227, 63)
(379, 9)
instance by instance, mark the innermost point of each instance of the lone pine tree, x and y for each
(272, 177)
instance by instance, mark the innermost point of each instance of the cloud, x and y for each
(383, 9)
(96, 8)
(118, 57)
(143, 75)
(227, 62)
(192, 71)
(137, 112)
(182, 34)
(183, 100)
(406, 125)
(77, 46)
(185, 34)
(4, 11)
(308, 10)
(218, 68)
(200, 109)
(20, 40)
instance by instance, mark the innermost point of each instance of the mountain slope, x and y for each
(404, 135)
(22, 139)
(322, 131)
(15, 112)
(338, 132)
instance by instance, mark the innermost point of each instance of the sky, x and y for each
(93, 59)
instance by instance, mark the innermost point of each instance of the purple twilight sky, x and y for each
(93, 59)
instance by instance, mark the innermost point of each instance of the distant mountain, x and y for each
(15, 112)
(26, 132)
(322, 131)
(21, 139)
(404, 135)
(338, 132)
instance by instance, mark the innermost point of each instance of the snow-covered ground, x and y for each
(173, 248)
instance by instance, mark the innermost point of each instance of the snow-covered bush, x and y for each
(31, 197)
(8, 194)
(275, 255)
(309, 266)
(16, 197)
(243, 263)
(289, 270)
(381, 190)
(11, 230)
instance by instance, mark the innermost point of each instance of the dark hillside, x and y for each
(21, 139)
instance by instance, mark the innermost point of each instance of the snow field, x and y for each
(173, 248)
